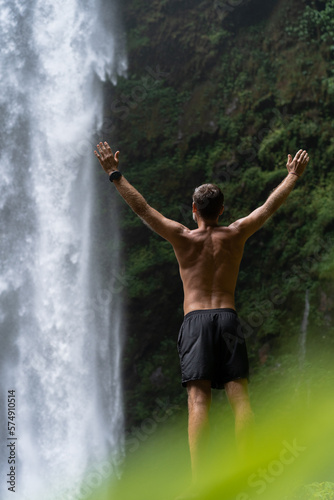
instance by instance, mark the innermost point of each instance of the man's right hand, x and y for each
(107, 159)
(298, 164)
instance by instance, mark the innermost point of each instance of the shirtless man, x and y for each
(209, 258)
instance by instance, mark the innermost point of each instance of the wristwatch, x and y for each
(116, 174)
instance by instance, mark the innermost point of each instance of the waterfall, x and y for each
(60, 342)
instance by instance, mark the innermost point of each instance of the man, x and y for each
(209, 258)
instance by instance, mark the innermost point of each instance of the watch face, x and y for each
(115, 175)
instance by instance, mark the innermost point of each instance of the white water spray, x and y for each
(60, 348)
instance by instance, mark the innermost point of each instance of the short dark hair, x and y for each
(209, 200)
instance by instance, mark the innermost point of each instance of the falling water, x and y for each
(60, 348)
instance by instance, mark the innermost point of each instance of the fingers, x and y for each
(301, 156)
(304, 158)
(98, 156)
(104, 149)
(297, 155)
(107, 147)
(101, 148)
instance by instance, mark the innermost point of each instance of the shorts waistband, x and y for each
(211, 311)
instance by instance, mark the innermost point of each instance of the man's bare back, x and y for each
(209, 259)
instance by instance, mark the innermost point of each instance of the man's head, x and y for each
(208, 202)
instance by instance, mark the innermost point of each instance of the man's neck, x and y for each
(204, 223)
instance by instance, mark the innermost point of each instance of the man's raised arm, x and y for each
(167, 228)
(250, 224)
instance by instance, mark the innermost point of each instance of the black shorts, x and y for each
(211, 347)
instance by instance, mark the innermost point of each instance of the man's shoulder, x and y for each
(236, 226)
(227, 231)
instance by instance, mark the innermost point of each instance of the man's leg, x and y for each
(237, 393)
(199, 400)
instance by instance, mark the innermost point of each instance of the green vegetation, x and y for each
(316, 24)
(291, 451)
(314, 491)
